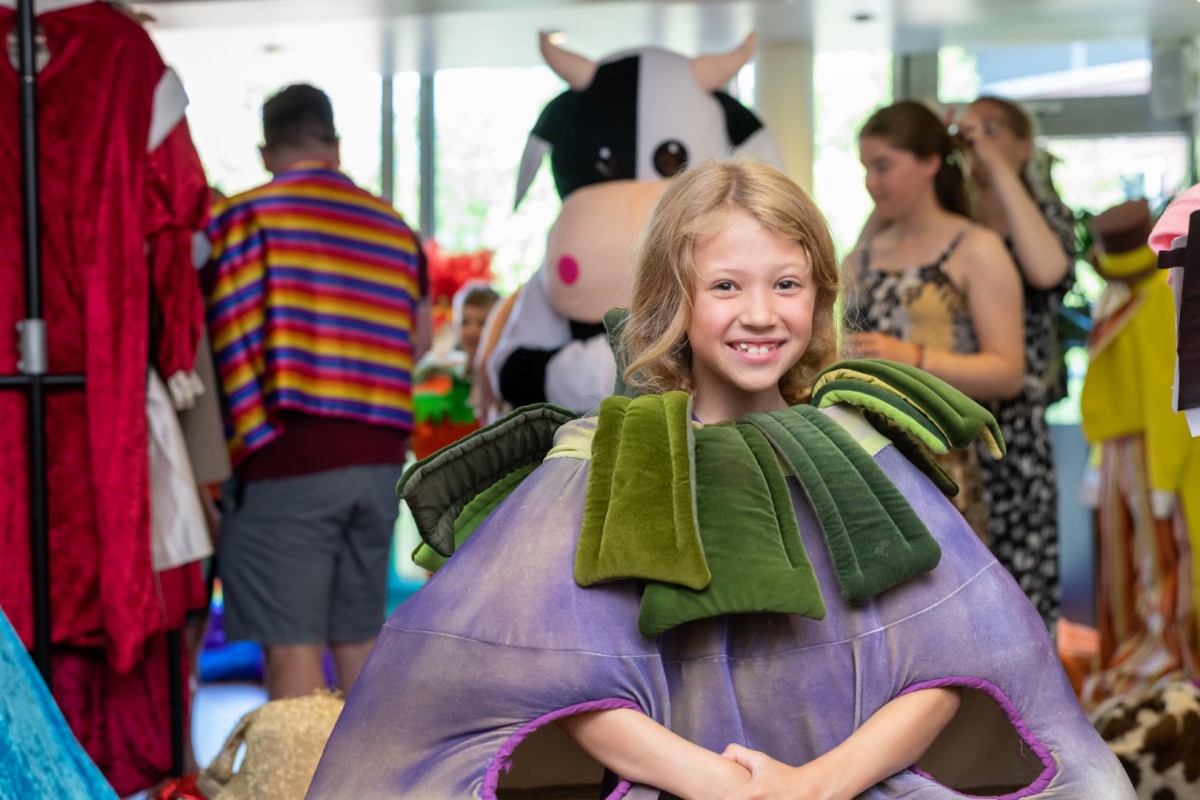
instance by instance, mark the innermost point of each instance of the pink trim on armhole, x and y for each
(1014, 716)
(503, 758)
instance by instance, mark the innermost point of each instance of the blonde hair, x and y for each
(698, 203)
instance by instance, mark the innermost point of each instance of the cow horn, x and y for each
(536, 149)
(716, 71)
(573, 68)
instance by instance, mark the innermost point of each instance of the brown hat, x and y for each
(1123, 228)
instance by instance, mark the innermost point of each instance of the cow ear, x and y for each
(716, 71)
(535, 150)
(573, 68)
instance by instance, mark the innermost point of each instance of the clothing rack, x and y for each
(34, 379)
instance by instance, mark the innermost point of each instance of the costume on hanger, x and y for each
(639, 560)
(1175, 222)
(122, 193)
(1148, 512)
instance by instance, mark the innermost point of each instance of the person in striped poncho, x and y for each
(313, 317)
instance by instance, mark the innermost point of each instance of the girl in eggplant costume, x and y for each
(665, 583)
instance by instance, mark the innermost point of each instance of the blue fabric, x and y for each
(39, 756)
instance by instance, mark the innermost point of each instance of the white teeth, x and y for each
(755, 350)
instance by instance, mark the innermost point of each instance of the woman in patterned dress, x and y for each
(932, 288)
(1022, 490)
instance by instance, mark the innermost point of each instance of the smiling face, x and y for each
(751, 321)
(895, 178)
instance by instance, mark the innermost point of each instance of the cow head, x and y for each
(624, 126)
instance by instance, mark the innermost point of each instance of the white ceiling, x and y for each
(432, 34)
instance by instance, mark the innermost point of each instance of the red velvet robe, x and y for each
(117, 218)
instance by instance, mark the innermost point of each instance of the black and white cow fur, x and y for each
(626, 124)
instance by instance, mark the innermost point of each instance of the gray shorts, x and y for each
(304, 560)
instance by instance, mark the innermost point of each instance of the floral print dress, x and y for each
(922, 305)
(1021, 489)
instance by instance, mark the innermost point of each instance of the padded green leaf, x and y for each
(475, 512)
(959, 418)
(875, 538)
(639, 515)
(750, 538)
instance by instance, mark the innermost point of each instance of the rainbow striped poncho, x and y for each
(313, 306)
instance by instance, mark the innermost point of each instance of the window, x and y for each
(225, 110)
(1091, 97)
(849, 87)
(483, 119)
(1064, 69)
(406, 150)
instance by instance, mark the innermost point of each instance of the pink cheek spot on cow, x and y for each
(568, 270)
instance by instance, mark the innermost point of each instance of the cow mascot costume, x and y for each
(627, 123)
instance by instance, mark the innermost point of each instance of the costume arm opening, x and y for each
(641, 750)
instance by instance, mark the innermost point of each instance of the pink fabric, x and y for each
(1174, 220)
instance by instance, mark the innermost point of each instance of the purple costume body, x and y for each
(501, 640)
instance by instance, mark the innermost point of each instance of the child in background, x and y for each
(443, 380)
(723, 562)
(472, 304)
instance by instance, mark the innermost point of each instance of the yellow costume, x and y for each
(1149, 497)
